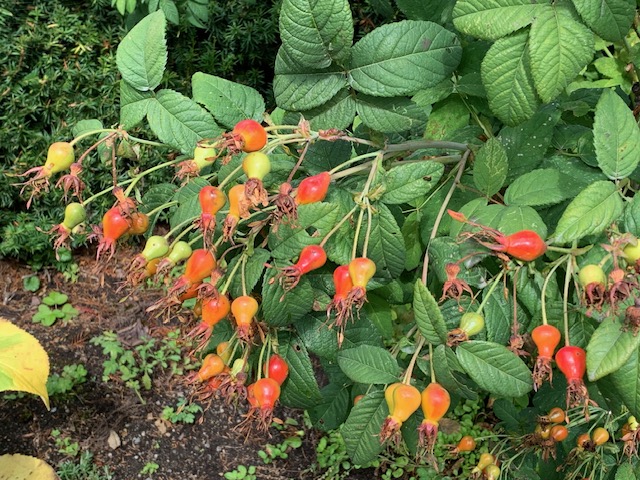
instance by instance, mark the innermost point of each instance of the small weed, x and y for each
(242, 473)
(31, 283)
(53, 307)
(293, 441)
(83, 469)
(135, 367)
(183, 413)
(65, 445)
(150, 468)
(71, 376)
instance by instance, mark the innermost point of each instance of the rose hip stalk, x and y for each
(114, 226)
(214, 309)
(311, 258)
(435, 402)
(313, 189)
(525, 245)
(212, 199)
(244, 309)
(402, 400)
(256, 166)
(546, 338)
(572, 362)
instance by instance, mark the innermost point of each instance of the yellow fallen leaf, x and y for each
(24, 467)
(24, 364)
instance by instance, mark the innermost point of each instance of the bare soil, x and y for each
(96, 410)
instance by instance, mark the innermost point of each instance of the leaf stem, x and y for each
(231, 275)
(494, 284)
(141, 175)
(565, 299)
(338, 225)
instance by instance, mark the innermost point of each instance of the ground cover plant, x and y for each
(442, 212)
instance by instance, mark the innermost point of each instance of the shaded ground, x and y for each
(96, 409)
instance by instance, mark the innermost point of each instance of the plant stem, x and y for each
(407, 375)
(422, 144)
(433, 372)
(231, 275)
(162, 207)
(141, 175)
(92, 132)
(543, 299)
(338, 225)
(102, 192)
(353, 160)
(565, 299)
(494, 284)
(443, 208)
(228, 178)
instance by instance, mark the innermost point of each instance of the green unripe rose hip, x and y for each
(592, 274)
(60, 156)
(74, 215)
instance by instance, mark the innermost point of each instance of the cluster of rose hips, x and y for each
(487, 467)
(226, 372)
(403, 399)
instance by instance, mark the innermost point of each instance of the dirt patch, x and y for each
(97, 410)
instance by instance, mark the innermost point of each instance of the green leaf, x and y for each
(428, 317)
(492, 19)
(332, 410)
(490, 167)
(411, 235)
(616, 137)
(495, 368)
(513, 219)
(55, 298)
(280, 309)
(317, 336)
(590, 212)
(170, 11)
(316, 33)
(133, 105)
(448, 117)
(540, 187)
(609, 348)
(300, 390)
(361, 431)
(369, 364)
(407, 182)
(31, 283)
(323, 156)
(625, 472)
(338, 112)
(527, 143)
(446, 365)
(287, 242)
(297, 87)
(610, 19)
(378, 311)
(560, 47)
(386, 243)
(142, 54)
(506, 76)
(390, 115)
(626, 381)
(253, 269)
(88, 125)
(632, 216)
(179, 121)
(229, 102)
(403, 57)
